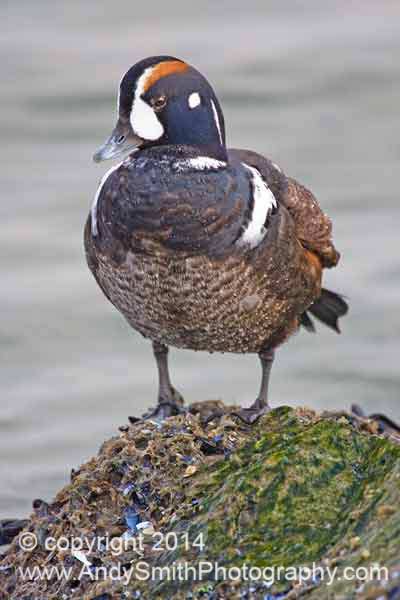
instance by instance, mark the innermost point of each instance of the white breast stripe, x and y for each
(93, 210)
(216, 118)
(200, 163)
(143, 119)
(264, 201)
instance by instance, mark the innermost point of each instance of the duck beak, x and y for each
(121, 141)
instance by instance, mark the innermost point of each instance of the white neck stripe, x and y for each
(216, 118)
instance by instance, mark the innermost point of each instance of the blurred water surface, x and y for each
(314, 85)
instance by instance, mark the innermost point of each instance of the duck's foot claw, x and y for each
(252, 414)
(164, 410)
(168, 406)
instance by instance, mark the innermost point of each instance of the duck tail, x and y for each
(328, 308)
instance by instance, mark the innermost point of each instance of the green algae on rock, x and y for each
(293, 490)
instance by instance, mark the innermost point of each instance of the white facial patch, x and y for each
(263, 202)
(93, 210)
(216, 118)
(143, 119)
(194, 100)
(200, 163)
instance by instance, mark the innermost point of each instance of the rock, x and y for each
(295, 490)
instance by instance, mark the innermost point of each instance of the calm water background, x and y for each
(314, 85)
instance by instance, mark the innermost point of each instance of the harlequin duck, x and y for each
(197, 245)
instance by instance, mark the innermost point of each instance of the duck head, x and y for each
(161, 101)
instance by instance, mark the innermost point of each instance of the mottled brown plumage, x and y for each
(225, 300)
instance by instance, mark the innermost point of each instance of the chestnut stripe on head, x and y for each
(162, 69)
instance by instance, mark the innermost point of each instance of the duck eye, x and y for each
(159, 103)
(120, 139)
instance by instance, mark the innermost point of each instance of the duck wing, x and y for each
(313, 226)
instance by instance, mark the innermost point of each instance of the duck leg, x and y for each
(260, 406)
(170, 402)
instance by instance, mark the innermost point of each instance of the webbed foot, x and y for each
(252, 414)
